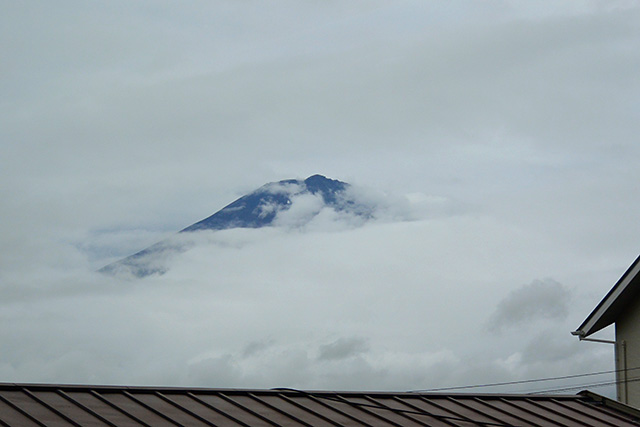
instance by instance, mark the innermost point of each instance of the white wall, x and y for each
(628, 354)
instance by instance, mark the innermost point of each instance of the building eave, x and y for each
(614, 404)
(608, 310)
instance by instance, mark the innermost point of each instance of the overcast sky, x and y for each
(506, 132)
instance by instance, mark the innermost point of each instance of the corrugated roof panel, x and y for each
(56, 405)
(197, 408)
(170, 399)
(295, 411)
(544, 411)
(431, 415)
(561, 414)
(592, 415)
(38, 412)
(350, 411)
(398, 406)
(377, 411)
(436, 410)
(67, 409)
(486, 406)
(260, 407)
(95, 405)
(321, 406)
(134, 409)
(13, 417)
(306, 405)
(462, 407)
(232, 411)
(160, 406)
(512, 407)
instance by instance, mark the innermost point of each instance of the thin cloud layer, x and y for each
(343, 348)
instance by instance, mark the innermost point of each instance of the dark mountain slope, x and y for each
(257, 209)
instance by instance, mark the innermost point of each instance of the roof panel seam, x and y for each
(588, 405)
(309, 410)
(51, 408)
(218, 410)
(117, 408)
(280, 411)
(244, 408)
(472, 409)
(22, 411)
(363, 408)
(530, 412)
(182, 408)
(440, 418)
(85, 408)
(497, 408)
(402, 412)
(549, 409)
(150, 408)
(454, 415)
(340, 411)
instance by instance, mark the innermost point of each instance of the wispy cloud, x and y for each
(343, 348)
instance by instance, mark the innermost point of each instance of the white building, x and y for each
(621, 306)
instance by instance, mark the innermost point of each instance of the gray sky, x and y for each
(502, 133)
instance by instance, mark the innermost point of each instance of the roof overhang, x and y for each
(618, 298)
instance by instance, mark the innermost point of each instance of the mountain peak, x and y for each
(259, 208)
(317, 177)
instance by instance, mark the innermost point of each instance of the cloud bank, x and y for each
(379, 306)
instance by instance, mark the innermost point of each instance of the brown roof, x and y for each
(64, 405)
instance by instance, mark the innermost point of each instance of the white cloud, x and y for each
(302, 209)
(380, 306)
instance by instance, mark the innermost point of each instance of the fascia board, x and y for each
(592, 322)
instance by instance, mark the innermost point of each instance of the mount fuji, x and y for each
(264, 207)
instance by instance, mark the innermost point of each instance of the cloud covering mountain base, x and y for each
(378, 306)
(316, 203)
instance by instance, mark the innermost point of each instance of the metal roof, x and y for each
(607, 311)
(66, 405)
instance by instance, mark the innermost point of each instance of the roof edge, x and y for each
(278, 390)
(610, 403)
(588, 326)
